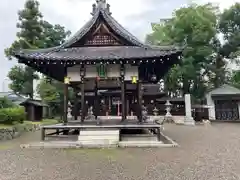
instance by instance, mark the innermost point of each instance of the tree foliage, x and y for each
(197, 28)
(229, 26)
(28, 37)
(53, 94)
(34, 33)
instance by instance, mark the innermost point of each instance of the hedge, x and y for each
(12, 115)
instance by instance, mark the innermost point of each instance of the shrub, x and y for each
(12, 115)
(6, 103)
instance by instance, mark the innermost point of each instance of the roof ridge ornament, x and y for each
(100, 5)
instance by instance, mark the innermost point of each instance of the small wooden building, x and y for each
(33, 109)
(103, 55)
(224, 103)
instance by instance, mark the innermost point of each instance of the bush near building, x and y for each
(13, 115)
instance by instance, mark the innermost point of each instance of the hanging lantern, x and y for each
(66, 80)
(134, 79)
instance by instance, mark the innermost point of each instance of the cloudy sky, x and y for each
(135, 15)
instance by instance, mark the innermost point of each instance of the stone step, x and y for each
(99, 142)
(99, 138)
(103, 132)
(88, 137)
(143, 144)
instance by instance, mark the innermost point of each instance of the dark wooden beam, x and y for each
(65, 106)
(82, 73)
(139, 89)
(76, 104)
(122, 79)
(96, 101)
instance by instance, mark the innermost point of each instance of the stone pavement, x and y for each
(205, 153)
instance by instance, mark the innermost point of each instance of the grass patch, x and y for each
(5, 146)
(43, 122)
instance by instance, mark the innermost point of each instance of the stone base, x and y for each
(168, 119)
(95, 138)
(189, 121)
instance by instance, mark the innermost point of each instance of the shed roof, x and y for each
(33, 102)
(225, 90)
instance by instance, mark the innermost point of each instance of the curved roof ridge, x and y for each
(118, 27)
(83, 31)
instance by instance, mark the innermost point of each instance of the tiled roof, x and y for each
(119, 29)
(99, 53)
(134, 48)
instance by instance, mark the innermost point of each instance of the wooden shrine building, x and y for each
(103, 55)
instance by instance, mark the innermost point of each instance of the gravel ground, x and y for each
(205, 153)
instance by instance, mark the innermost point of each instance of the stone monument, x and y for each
(188, 120)
(90, 113)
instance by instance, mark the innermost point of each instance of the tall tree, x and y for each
(229, 25)
(228, 52)
(34, 33)
(193, 27)
(27, 38)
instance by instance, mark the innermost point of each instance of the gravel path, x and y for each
(205, 153)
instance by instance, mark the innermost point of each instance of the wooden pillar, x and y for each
(110, 105)
(65, 102)
(122, 79)
(139, 88)
(82, 74)
(96, 103)
(127, 107)
(76, 104)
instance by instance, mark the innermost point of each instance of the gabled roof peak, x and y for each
(100, 5)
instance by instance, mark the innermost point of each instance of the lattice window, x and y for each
(102, 40)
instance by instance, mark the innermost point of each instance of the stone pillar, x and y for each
(188, 120)
(211, 109)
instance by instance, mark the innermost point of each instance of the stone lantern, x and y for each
(69, 113)
(155, 111)
(168, 117)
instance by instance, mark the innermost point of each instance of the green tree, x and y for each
(193, 27)
(53, 93)
(21, 81)
(228, 52)
(235, 79)
(6, 103)
(34, 33)
(27, 38)
(229, 26)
